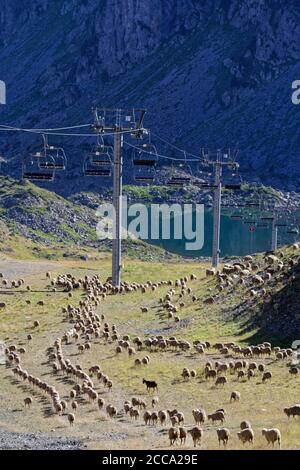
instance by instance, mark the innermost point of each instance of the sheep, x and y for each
(222, 380)
(147, 417)
(246, 435)
(173, 435)
(196, 434)
(154, 417)
(272, 435)
(293, 370)
(182, 435)
(223, 435)
(100, 403)
(186, 374)
(235, 396)
(199, 416)
(210, 374)
(245, 425)
(134, 413)
(174, 420)
(217, 416)
(111, 411)
(266, 376)
(144, 309)
(74, 405)
(292, 411)
(162, 416)
(28, 401)
(71, 418)
(154, 401)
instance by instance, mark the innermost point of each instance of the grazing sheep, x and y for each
(199, 416)
(210, 374)
(223, 435)
(162, 416)
(222, 380)
(245, 425)
(272, 435)
(197, 434)
(182, 435)
(186, 374)
(111, 411)
(235, 396)
(100, 403)
(292, 411)
(74, 405)
(71, 419)
(174, 420)
(28, 401)
(147, 417)
(173, 435)
(154, 417)
(154, 401)
(294, 371)
(266, 376)
(217, 416)
(246, 435)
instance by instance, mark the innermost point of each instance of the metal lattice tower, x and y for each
(218, 159)
(119, 122)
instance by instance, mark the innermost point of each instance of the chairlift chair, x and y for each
(144, 160)
(234, 181)
(92, 169)
(58, 160)
(37, 167)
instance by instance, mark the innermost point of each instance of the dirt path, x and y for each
(13, 269)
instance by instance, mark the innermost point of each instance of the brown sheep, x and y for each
(223, 435)
(266, 376)
(199, 416)
(173, 435)
(235, 396)
(71, 419)
(292, 411)
(182, 435)
(246, 435)
(272, 435)
(196, 434)
(210, 374)
(222, 380)
(217, 416)
(28, 401)
(245, 425)
(162, 416)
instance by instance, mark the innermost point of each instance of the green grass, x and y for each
(262, 404)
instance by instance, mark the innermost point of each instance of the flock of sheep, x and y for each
(86, 325)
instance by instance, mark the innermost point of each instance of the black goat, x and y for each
(151, 385)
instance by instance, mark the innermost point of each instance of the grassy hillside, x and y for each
(234, 316)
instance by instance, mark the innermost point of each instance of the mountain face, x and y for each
(211, 73)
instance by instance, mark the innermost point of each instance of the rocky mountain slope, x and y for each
(37, 222)
(211, 73)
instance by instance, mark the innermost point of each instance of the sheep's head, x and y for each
(264, 431)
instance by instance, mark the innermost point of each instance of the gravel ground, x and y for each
(13, 269)
(24, 441)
